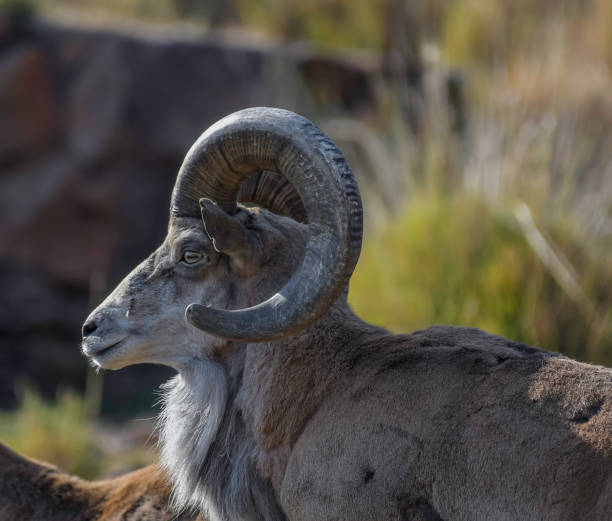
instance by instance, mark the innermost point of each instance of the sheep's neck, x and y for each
(285, 382)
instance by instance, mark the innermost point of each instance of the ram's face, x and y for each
(240, 274)
(143, 319)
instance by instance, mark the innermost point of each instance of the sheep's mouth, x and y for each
(105, 350)
(98, 351)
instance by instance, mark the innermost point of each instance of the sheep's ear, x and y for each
(227, 233)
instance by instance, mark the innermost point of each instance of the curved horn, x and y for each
(280, 141)
(273, 192)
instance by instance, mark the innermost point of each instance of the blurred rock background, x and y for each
(481, 134)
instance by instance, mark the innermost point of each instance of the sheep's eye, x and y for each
(191, 257)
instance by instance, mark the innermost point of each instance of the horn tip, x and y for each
(195, 314)
(210, 320)
(213, 321)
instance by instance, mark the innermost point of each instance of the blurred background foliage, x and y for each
(54, 432)
(496, 214)
(64, 433)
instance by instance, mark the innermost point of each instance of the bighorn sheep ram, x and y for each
(35, 491)
(288, 406)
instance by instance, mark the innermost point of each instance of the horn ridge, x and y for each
(272, 191)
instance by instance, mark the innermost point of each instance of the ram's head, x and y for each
(238, 272)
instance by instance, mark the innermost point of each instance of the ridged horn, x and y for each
(273, 192)
(260, 139)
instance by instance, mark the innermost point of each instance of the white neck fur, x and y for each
(194, 402)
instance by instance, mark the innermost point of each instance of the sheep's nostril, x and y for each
(89, 327)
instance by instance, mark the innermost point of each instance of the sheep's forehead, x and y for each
(180, 228)
(185, 229)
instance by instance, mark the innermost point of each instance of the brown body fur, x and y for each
(443, 424)
(33, 491)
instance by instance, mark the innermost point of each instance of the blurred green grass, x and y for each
(54, 432)
(63, 433)
(459, 260)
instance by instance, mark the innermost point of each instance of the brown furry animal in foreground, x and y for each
(33, 491)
